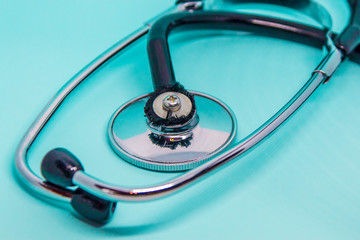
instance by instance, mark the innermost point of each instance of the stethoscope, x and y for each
(179, 130)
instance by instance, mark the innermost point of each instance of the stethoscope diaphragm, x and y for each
(138, 142)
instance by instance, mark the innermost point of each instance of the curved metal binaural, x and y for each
(111, 192)
(116, 193)
(25, 174)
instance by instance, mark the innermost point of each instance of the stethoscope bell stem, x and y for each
(177, 119)
(170, 106)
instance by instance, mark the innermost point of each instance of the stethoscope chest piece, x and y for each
(173, 129)
(175, 148)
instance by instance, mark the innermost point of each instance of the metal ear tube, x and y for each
(178, 132)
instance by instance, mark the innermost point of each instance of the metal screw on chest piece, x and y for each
(172, 103)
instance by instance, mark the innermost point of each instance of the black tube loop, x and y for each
(158, 49)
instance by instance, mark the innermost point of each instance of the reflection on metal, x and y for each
(211, 131)
(113, 192)
(172, 103)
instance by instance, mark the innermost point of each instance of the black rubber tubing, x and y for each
(158, 50)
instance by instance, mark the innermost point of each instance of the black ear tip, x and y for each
(91, 207)
(59, 165)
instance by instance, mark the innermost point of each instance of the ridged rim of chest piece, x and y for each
(193, 147)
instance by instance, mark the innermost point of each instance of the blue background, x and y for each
(302, 183)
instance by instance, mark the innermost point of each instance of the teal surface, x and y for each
(302, 183)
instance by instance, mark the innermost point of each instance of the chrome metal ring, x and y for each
(213, 133)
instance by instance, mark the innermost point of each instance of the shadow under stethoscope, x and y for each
(240, 173)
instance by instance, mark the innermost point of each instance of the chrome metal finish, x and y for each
(172, 103)
(175, 137)
(25, 174)
(191, 6)
(118, 193)
(320, 71)
(172, 149)
(180, 103)
(174, 129)
(331, 62)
